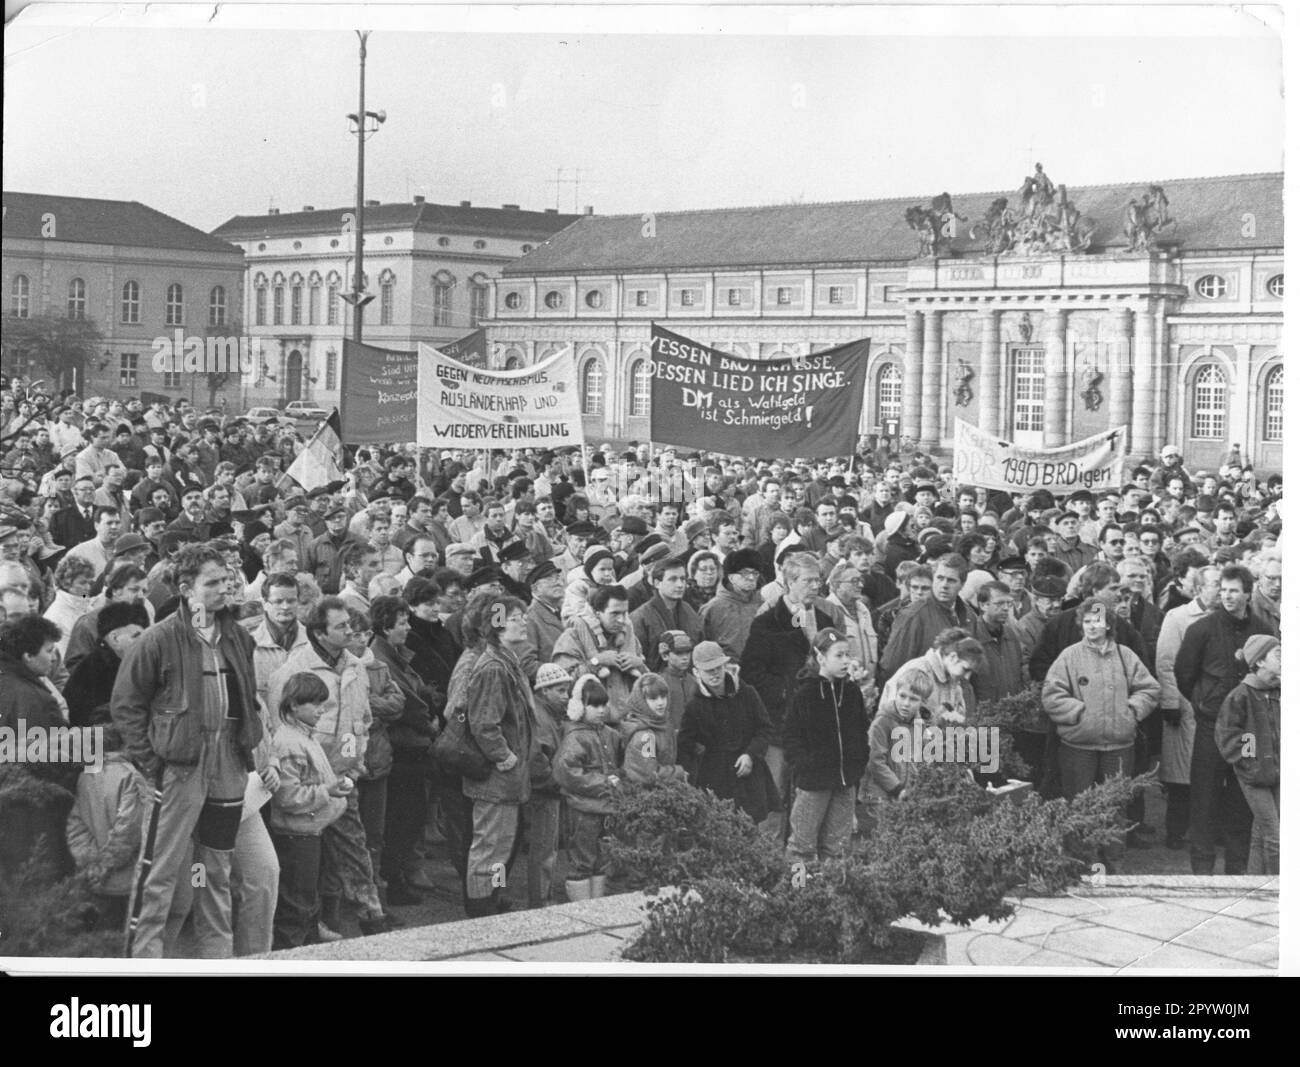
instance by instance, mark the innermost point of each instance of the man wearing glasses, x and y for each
(726, 618)
(343, 731)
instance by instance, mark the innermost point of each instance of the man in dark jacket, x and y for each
(185, 704)
(775, 652)
(1207, 670)
(71, 526)
(666, 610)
(918, 625)
(412, 738)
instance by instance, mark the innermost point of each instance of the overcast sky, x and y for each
(657, 109)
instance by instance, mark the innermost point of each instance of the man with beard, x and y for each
(193, 517)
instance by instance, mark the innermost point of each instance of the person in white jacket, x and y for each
(1096, 693)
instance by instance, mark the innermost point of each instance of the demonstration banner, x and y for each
(468, 407)
(377, 401)
(807, 407)
(984, 460)
(470, 349)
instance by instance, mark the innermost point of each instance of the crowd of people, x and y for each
(303, 692)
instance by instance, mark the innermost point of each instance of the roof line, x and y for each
(917, 199)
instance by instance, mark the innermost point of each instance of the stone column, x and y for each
(990, 380)
(1120, 373)
(1055, 386)
(931, 381)
(910, 425)
(1144, 384)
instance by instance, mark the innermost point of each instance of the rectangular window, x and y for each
(784, 294)
(733, 298)
(332, 306)
(1029, 386)
(688, 298)
(313, 305)
(641, 297)
(441, 304)
(331, 369)
(386, 304)
(171, 379)
(478, 302)
(836, 294)
(889, 293)
(295, 305)
(277, 306)
(259, 307)
(130, 365)
(131, 304)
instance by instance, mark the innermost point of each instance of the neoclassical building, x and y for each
(135, 272)
(428, 266)
(1042, 319)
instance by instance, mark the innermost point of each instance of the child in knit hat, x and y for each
(542, 812)
(1248, 732)
(649, 737)
(587, 772)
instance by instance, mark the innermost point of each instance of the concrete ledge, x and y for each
(1134, 921)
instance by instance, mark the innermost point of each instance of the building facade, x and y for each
(429, 268)
(1157, 307)
(137, 274)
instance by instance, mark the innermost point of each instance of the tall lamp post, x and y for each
(363, 123)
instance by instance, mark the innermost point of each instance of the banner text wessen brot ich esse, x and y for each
(806, 406)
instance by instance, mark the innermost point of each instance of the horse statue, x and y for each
(995, 227)
(934, 225)
(1147, 219)
(927, 233)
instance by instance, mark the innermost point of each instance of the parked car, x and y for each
(304, 411)
(257, 416)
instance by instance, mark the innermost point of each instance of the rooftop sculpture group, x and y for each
(1042, 220)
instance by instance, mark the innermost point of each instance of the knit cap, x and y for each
(1257, 646)
(549, 674)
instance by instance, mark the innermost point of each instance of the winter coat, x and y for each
(716, 731)
(1002, 672)
(104, 826)
(1207, 668)
(302, 804)
(544, 629)
(649, 743)
(1176, 742)
(887, 777)
(64, 612)
(916, 627)
(269, 656)
(412, 731)
(949, 698)
(502, 721)
(651, 620)
(825, 734)
(159, 696)
(727, 618)
(89, 691)
(1097, 697)
(1252, 709)
(587, 759)
(386, 704)
(343, 728)
(550, 727)
(775, 653)
(682, 686)
(1065, 630)
(582, 641)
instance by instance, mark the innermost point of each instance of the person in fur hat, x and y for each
(1249, 734)
(587, 772)
(649, 739)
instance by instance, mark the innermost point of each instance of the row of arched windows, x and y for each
(591, 381)
(1209, 404)
(331, 287)
(20, 302)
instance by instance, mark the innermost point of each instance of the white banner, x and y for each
(982, 459)
(468, 407)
